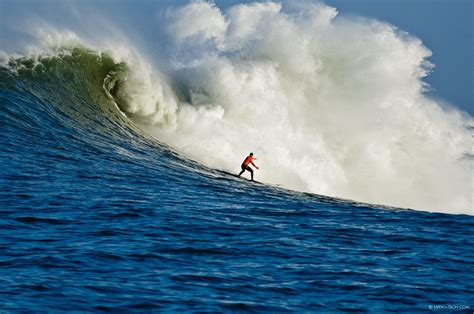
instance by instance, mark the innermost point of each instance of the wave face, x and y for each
(113, 198)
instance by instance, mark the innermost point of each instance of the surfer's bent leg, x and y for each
(251, 171)
(243, 169)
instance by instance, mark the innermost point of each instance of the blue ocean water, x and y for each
(98, 216)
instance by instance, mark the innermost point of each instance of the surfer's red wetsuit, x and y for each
(245, 165)
(249, 160)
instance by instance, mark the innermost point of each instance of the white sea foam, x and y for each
(328, 104)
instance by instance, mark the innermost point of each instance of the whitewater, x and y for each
(118, 146)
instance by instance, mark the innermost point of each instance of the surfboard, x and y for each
(244, 178)
(241, 177)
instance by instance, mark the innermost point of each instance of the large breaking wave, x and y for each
(328, 105)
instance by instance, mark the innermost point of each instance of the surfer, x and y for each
(245, 165)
